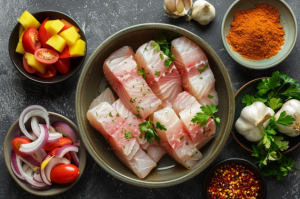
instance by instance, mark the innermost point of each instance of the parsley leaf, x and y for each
(248, 100)
(157, 73)
(156, 46)
(285, 119)
(208, 112)
(158, 125)
(150, 133)
(275, 103)
(128, 135)
(142, 72)
(210, 96)
(110, 115)
(203, 69)
(165, 46)
(161, 56)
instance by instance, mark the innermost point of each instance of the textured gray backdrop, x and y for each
(99, 19)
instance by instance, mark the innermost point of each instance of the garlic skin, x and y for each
(292, 108)
(177, 8)
(252, 120)
(203, 12)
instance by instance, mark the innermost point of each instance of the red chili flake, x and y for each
(233, 181)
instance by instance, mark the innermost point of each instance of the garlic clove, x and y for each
(170, 5)
(203, 12)
(180, 6)
(177, 8)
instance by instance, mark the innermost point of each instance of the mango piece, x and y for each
(41, 68)
(78, 49)
(54, 26)
(69, 24)
(70, 36)
(21, 37)
(57, 42)
(20, 48)
(21, 30)
(28, 21)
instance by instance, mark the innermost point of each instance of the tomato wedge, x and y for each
(46, 56)
(63, 65)
(44, 35)
(67, 26)
(16, 144)
(30, 40)
(50, 72)
(64, 173)
(67, 155)
(62, 142)
(27, 67)
(65, 53)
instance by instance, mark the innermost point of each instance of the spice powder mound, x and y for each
(256, 33)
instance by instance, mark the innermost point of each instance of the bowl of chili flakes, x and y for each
(234, 178)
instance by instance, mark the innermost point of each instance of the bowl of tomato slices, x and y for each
(47, 46)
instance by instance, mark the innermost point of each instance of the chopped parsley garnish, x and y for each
(144, 94)
(128, 135)
(146, 49)
(181, 137)
(187, 143)
(157, 73)
(142, 108)
(208, 112)
(118, 115)
(165, 46)
(203, 69)
(140, 136)
(110, 115)
(150, 133)
(96, 113)
(201, 78)
(161, 56)
(210, 96)
(132, 86)
(141, 72)
(123, 147)
(131, 100)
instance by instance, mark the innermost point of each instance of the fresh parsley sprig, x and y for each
(162, 44)
(208, 112)
(141, 72)
(151, 133)
(271, 90)
(269, 148)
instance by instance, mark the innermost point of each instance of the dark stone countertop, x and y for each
(99, 19)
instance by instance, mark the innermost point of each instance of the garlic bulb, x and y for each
(203, 12)
(177, 8)
(252, 120)
(292, 108)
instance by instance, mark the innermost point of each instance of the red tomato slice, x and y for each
(67, 155)
(27, 67)
(16, 144)
(30, 40)
(62, 142)
(63, 65)
(46, 56)
(50, 72)
(64, 173)
(44, 35)
(65, 53)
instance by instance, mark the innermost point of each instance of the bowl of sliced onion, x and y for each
(40, 146)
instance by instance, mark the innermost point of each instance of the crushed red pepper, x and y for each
(233, 181)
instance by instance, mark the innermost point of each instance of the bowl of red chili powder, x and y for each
(234, 178)
(259, 34)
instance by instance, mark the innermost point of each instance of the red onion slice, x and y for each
(17, 134)
(54, 137)
(32, 134)
(37, 177)
(16, 165)
(77, 143)
(28, 171)
(43, 174)
(37, 144)
(65, 130)
(63, 150)
(75, 158)
(53, 162)
(35, 126)
(38, 185)
(30, 161)
(51, 129)
(41, 154)
(30, 111)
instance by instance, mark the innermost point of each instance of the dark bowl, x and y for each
(17, 60)
(54, 188)
(249, 165)
(250, 88)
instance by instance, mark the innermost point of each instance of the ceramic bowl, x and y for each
(250, 88)
(287, 20)
(262, 194)
(54, 188)
(17, 58)
(92, 78)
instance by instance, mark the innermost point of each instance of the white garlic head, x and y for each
(252, 121)
(292, 108)
(177, 8)
(203, 12)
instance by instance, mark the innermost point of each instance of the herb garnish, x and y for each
(110, 115)
(141, 72)
(208, 112)
(165, 46)
(128, 135)
(203, 69)
(151, 133)
(157, 73)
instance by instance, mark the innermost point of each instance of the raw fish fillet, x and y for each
(113, 127)
(155, 151)
(175, 140)
(189, 58)
(165, 83)
(105, 96)
(120, 70)
(199, 135)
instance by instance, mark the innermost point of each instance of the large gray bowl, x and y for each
(92, 78)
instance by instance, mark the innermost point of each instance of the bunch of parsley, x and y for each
(151, 133)
(162, 44)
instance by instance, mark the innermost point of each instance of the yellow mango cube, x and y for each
(78, 49)
(20, 48)
(70, 36)
(41, 68)
(21, 37)
(28, 21)
(54, 26)
(21, 30)
(57, 42)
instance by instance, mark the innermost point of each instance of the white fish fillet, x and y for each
(113, 127)
(189, 59)
(165, 83)
(175, 140)
(155, 151)
(120, 70)
(105, 96)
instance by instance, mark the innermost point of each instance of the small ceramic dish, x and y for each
(17, 58)
(54, 188)
(288, 21)
(250, 88)
(247, 164)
